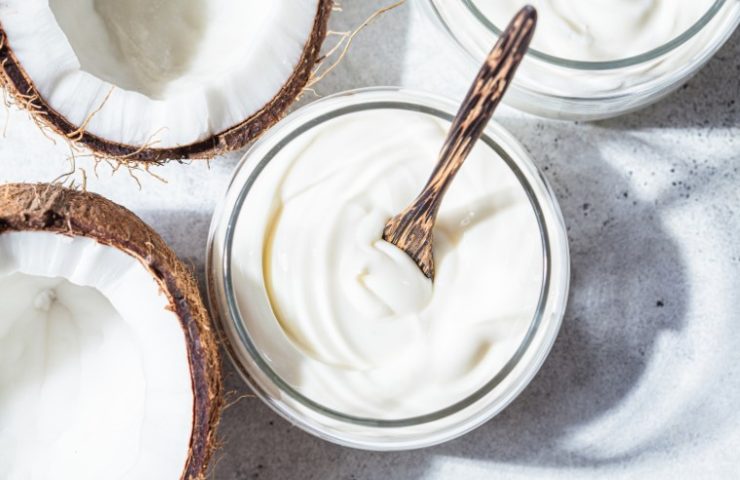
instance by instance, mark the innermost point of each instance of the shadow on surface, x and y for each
(616, 309)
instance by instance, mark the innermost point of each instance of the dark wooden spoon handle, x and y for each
(411, 230)
(482, 99)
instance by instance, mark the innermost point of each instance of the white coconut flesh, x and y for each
(178, 71)
(94, 376)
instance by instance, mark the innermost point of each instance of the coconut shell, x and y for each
(22, 89)
(52, 208)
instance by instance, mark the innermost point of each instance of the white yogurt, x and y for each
(600, 30)
(613, 31)
(351, 322)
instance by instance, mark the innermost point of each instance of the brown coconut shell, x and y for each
(52, 208)
(22, 89)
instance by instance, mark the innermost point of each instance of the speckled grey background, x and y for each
(644, 379)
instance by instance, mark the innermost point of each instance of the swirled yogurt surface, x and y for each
(601, 30)
(348, 319)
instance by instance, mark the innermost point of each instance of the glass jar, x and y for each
(243, 344)
(556, 87)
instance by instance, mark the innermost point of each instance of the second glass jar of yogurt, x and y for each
(593, 59)
(339, 331)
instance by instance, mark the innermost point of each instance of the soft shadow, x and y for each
(709, 99)
(628, 286)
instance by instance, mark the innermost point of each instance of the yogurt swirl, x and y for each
(355, 325)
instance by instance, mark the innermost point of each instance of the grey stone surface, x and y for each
(644, 379)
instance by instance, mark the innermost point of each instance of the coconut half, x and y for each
(150, 80)
(108, 365)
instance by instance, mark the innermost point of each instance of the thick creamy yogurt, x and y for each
(612, 31)
(601, 30)
(347, 319)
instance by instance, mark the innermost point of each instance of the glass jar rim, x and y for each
(296, 126)
(616, 64)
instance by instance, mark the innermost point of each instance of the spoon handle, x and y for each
(411, 230)
(482, 99)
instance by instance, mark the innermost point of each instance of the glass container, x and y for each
(555, 87)
(340, 427)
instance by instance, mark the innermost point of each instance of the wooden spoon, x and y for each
(411, 230)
